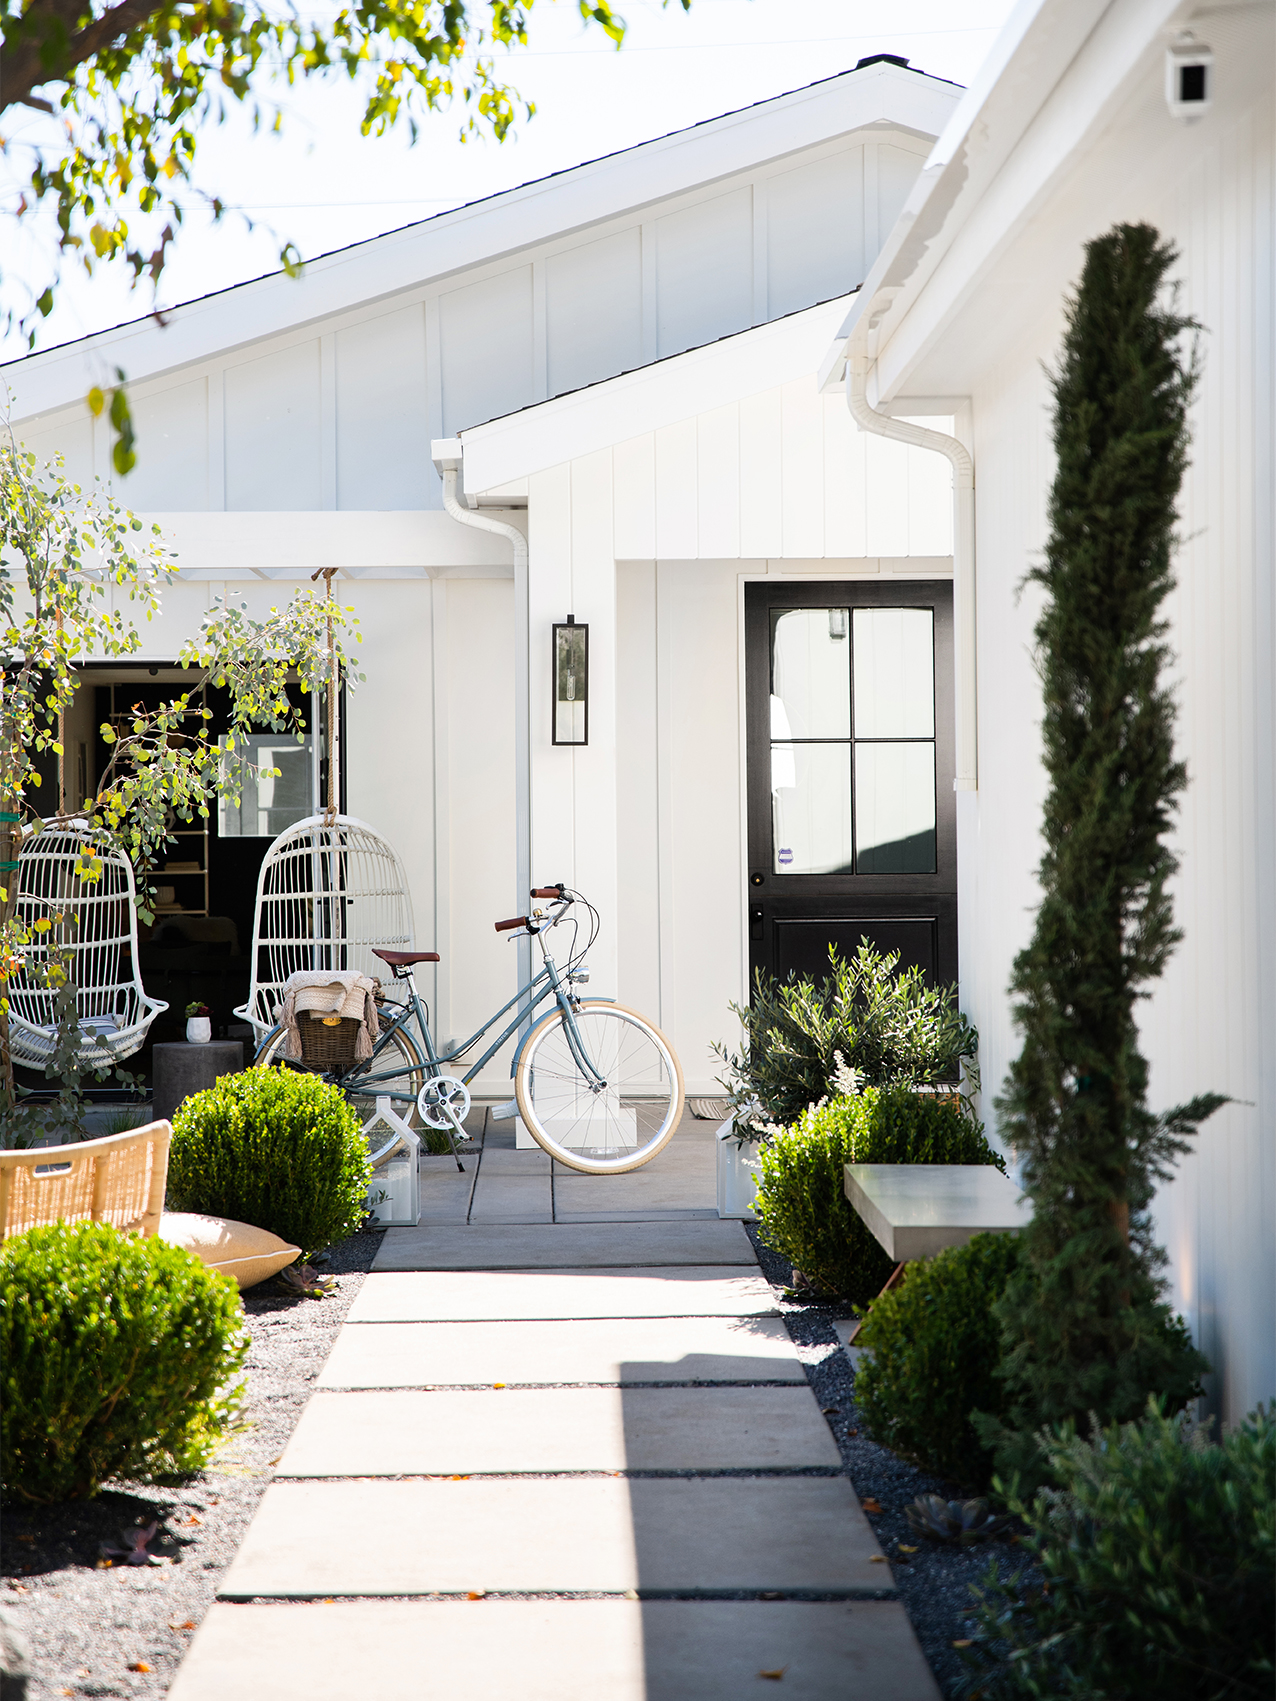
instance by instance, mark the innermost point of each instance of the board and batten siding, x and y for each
(651, 542)
(1210, 1023)
(340, 415)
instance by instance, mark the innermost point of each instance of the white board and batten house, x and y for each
(1073, 128)
(812, 712)
(287, 425)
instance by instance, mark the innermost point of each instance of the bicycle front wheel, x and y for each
(612, 1116)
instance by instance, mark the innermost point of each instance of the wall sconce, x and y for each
(571, 682)
(1189, 74)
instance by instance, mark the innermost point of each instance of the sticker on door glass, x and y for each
(785, 857)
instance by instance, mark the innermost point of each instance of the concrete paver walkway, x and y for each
(561, 1458)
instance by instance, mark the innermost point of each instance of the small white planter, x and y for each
(394, 1193)
(737, 1174)
(199, 1030)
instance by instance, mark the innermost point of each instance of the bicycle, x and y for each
(597, 1085)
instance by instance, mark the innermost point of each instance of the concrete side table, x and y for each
(916, 1210)
(180, 1069)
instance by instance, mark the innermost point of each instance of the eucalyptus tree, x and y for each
(77, 574)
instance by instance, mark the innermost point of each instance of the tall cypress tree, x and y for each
(1084, 1325)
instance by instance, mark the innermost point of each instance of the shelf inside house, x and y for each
(185, 876)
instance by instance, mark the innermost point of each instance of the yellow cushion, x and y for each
(249, 1254)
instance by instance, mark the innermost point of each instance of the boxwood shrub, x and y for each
(804, 1211)
(276, 1148)
(116, 1355)
(1157, 1552)
(932, 1346)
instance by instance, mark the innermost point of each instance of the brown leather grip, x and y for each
(514, 921)
(547, 891)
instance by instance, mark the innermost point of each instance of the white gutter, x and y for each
(922, 437)
(447, 454)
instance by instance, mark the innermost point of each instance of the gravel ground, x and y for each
(124, 1630)
(933, 1583)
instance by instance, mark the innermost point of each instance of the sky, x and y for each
(322, 186)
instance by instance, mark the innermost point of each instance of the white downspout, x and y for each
(447, 454)
(922, 437)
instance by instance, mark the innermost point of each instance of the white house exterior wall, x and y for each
(1211, 1021)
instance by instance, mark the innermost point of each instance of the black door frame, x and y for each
(838, 898)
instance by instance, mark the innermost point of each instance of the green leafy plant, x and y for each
(273, 1147)
(957, 1523)
(804, 1211)
(869, 1015)
(197, 1009)
(73, 562)
(1158, 1555)
(932, 1346)
(1085, 1327)
(118, 1356)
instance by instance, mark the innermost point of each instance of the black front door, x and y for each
(852, 821)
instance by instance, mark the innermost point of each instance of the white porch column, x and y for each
(573, 801)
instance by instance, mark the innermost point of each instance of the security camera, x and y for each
(1189, 78)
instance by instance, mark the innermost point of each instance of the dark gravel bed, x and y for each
(123, 1631)
(933, 1583)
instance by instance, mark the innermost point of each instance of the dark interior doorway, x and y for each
(852, 821)
(198, 948)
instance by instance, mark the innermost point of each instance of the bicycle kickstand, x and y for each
(459, 1127)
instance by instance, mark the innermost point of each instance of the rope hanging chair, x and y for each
(100, 946)
(330, 892)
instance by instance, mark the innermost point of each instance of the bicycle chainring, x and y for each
(441, 1091)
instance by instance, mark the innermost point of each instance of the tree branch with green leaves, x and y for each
(70, 566)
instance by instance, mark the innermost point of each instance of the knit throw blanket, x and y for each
(314, 993)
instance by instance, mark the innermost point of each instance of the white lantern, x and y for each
(394, 1191)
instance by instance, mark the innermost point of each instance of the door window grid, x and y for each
(853, 740)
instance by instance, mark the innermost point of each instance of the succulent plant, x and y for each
(961, 1521)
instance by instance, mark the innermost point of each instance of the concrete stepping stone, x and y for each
(677, 1291)
(370, 1434)
(631, 1349)
(554, 1534)
(512, 1246)
(555, 1650)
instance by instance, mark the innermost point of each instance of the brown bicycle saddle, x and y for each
(402, 959)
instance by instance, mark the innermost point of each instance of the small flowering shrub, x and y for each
(117, 1359)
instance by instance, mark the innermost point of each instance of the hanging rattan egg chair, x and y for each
(98, 940)
(330, 892)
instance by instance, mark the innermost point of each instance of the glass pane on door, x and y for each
(811, 808)
(894, 673)
(895, 808)
(811, 673)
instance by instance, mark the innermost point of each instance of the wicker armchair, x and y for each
(119, 1180)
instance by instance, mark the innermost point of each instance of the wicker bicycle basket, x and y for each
(328, 1042)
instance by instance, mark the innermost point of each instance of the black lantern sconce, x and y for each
(571, 682)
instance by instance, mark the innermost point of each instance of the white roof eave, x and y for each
(388, 266)
(1013, 135)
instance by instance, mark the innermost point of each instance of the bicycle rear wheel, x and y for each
(607, 1128)
(400, 1057)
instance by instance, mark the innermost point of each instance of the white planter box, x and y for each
(394, 1192)
(737, 1174)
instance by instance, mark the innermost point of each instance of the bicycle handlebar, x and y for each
(514, 921)
(548, 891)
